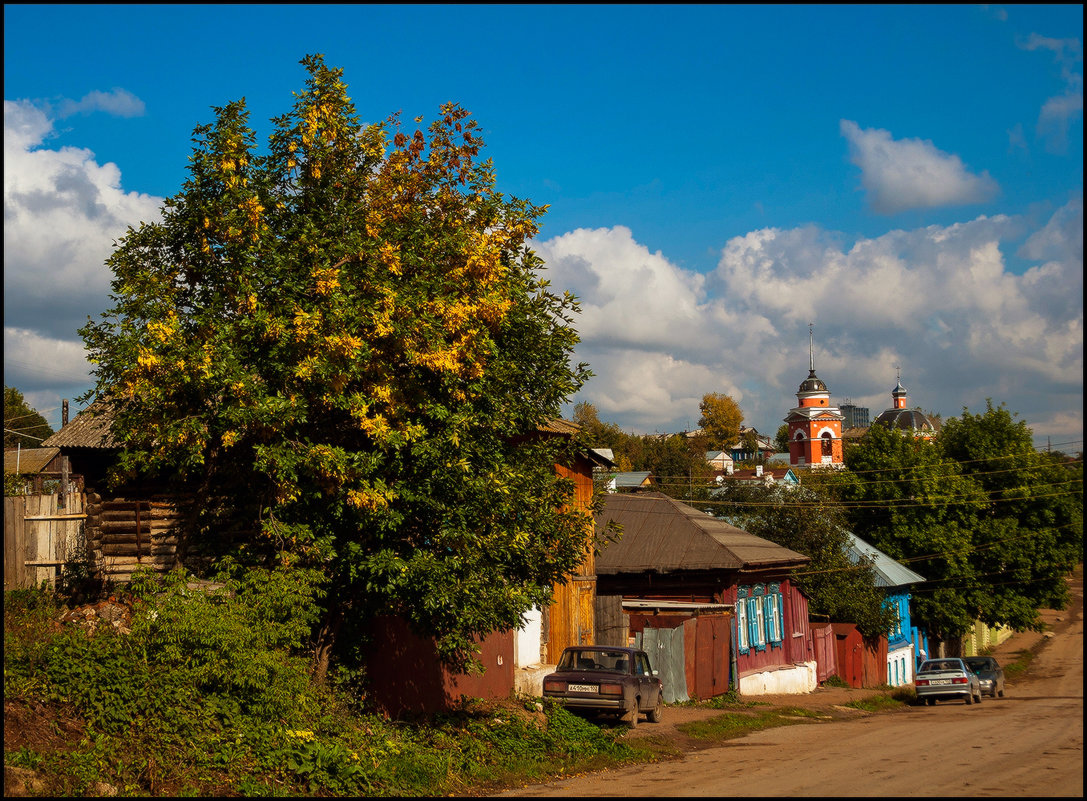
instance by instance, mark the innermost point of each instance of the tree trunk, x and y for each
(331, 622)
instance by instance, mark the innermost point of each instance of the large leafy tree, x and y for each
(919, 505)
(347, 335)
(720, 421)
(1037, 498)
(23, 425)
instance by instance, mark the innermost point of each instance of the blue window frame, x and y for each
(760, 617)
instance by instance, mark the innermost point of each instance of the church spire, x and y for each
(811, 352)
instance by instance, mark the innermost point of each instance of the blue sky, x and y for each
(906, 178)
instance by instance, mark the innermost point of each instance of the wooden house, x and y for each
(670, 551)
(127, 527)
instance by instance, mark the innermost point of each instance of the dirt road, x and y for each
(1029, 743)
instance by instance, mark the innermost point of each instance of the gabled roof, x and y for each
(90, 429)
(665, 535)
(637, 478)
(27, 461)
(889, 573)
(556, 425)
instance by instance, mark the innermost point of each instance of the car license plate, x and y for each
(940, 681)
(583, 688)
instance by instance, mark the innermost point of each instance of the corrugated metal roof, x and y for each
(90, 429)
(27, 461)
(632, 479)
(889, 573)
(665, 535)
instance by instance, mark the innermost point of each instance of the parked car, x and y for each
(609, 680)
(990, 674)
(944, 679)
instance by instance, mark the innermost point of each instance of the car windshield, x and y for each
(595, 659)
(979, 664)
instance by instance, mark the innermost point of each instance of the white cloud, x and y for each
(1060, 111)
(912, 173)
(938, 301)
(62, 213)
(119, 102)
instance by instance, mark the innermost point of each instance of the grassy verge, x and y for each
(205, 695)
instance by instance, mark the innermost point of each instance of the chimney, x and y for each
(64, 413)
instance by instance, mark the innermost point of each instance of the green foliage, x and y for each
(1037, 498)
(720, 421)
(992, 525)
(781, 439)
(176, 707)
(22, 424)
(349, 334)
(915, 505)
(812, 524)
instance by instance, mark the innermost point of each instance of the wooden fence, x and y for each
(41, 534)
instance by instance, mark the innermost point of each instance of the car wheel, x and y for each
(931, 701)
(969, 698)
(634, 714)
(977, 700)
(655, 713)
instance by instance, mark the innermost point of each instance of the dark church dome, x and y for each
(812, 384)
(907, 420)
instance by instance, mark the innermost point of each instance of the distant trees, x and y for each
(720, 421)
(22, 423)
(678, 461)
(781, 439)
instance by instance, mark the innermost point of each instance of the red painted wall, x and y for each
(406, 679)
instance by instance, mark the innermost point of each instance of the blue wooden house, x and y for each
(904, 641)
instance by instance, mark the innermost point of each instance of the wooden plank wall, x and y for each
(570, 618)
(41, 533)
(128, 533)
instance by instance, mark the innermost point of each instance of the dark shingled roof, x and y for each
(28, 460)
(665, 535)
(90, 429)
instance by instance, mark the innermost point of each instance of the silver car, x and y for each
(945, 679)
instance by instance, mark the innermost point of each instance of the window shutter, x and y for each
(741, 625)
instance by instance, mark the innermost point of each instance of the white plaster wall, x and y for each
(526, 645)
(900, 654)
(800, 678)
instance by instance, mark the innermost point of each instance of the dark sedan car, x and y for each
(607, 679)
(989, 673)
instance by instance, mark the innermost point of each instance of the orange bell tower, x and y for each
(815, 426)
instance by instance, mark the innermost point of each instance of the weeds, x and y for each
(209, 695)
